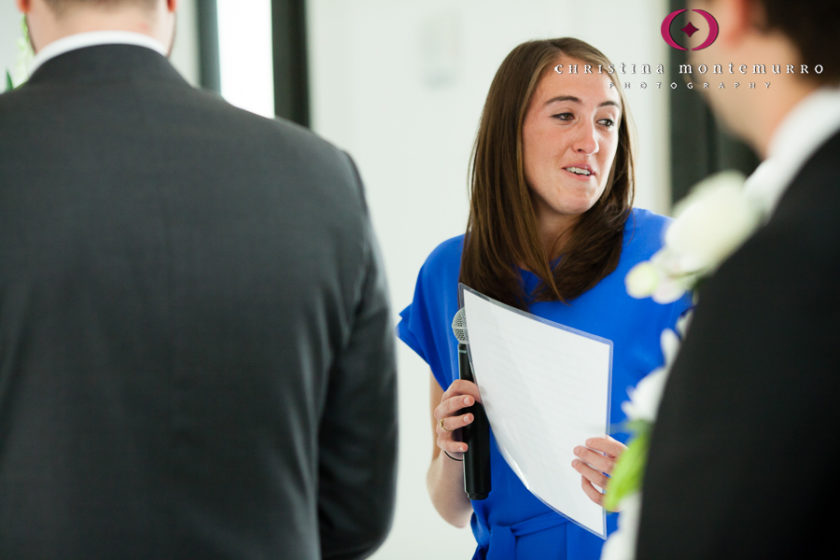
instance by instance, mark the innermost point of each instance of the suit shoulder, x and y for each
(806, 215)
(277, 129)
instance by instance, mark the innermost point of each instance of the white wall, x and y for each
(245, 55)
(10, 31)
(185, 50)
(400, 84)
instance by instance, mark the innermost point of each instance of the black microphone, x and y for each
(477, 434)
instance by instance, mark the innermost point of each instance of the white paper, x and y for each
(546, 390)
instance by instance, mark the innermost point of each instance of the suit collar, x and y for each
(107, 63)
(92, 38)
(806, 128)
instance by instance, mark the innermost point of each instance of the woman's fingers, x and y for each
(449, 424)
(603, 463)
(606, 445)
(591, 491)
(600, 455)
(460, 395)
(447, 414)
(450, 445)
(451, 406)
(594, 463)
(449, 417)
(593, 475)
(461, 387)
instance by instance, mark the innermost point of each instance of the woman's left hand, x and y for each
(594, 462)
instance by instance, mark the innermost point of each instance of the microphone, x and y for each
(477, 434)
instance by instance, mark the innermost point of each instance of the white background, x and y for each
(400, 85)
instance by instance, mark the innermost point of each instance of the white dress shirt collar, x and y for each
(802, 132)
(93, 38)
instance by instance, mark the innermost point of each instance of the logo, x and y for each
(689, 29)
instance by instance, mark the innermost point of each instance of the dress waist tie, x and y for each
(503, 537)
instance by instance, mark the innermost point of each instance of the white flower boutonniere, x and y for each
(709, 225)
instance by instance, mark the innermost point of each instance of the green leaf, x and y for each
(24, 28)
(627, 475)
(638, 426)
(10, 85)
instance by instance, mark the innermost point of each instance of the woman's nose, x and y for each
(586, 141)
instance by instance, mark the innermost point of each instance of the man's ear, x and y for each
(737, 18)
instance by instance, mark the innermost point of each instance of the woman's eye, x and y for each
(563, 116)
(609, 123)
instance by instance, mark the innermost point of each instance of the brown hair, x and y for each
(811, 27)
(502, 228)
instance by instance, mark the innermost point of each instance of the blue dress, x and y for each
(512, 524)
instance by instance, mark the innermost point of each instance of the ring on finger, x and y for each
(442, 427)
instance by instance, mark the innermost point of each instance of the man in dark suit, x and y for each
(196, 349)
(743, 458)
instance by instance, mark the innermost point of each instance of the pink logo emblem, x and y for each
(690, 29)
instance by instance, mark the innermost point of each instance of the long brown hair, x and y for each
(502, 227)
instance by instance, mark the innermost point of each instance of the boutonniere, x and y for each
(709, 225)
(24, 58)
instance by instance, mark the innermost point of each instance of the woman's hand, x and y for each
(595, 462)
(445, 478)
(460, 394)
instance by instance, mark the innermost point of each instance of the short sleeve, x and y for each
(425, 323)
(413, 328)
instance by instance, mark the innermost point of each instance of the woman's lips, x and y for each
(581, 171)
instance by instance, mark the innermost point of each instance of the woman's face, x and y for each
(569, 140)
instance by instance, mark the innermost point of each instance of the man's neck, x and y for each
(86, 20)
(769, 112)
(93, 38)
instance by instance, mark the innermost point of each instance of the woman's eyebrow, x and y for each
(574, 99)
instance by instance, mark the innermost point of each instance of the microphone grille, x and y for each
(459, 326)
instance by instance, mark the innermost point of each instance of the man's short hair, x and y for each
(812, 27)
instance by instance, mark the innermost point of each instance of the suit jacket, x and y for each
(743, 463)
(196, 351)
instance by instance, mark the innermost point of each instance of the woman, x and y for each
(551, 230)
